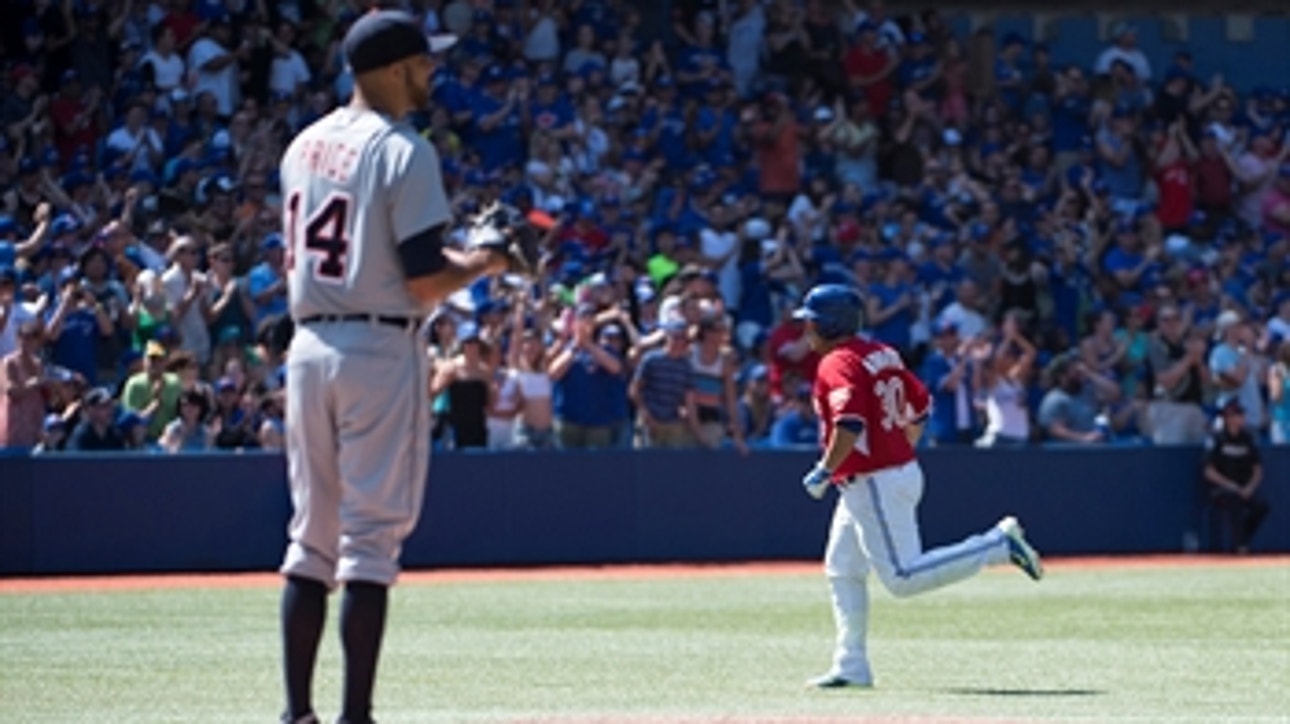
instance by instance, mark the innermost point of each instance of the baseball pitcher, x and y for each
(365, 216)
(871, 411)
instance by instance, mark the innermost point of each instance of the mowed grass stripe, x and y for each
(1170, 644)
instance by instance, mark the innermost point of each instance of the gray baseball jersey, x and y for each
(354, 185)
(358, 419)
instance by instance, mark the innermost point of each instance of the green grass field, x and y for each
(1161, 644)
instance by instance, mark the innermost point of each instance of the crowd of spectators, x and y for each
(1087, 253)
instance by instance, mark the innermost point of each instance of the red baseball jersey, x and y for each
(867, 381)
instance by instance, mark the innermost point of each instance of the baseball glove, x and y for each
(506, 229)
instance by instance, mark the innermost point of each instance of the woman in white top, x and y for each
(504, 403)
(536, 430)
(527, 358)
(1001, 376)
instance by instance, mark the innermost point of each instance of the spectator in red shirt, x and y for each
(775, 134)
(869, 66)
(1276, 205)
(1213, 179)
(585, 231)
(1174, 157)
(75, 115)
(182, 21)
(791, 358)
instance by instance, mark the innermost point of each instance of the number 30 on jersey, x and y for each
(891, 397)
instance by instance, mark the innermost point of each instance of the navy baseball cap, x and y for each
(271, 242)
(384, 37)
(64, 224)
(98, 396)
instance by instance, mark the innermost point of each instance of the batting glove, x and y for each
(816, 482)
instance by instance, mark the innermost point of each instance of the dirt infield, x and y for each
(616, 572)
(804, 719)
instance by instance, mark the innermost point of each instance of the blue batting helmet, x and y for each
(835, 309)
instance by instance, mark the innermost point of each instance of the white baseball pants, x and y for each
(875, 526)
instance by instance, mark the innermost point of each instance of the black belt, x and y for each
(407, 324)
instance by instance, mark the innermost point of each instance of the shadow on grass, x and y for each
(1055, 693)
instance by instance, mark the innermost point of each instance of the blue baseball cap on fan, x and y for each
(131, 420)
(468, 332)
(64, 224)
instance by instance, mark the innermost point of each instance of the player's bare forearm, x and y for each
(463, 268)
(841, 445)
(914, 432)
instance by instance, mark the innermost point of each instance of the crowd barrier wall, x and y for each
(99, 514)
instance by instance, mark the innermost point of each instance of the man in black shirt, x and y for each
(1234, 471)
(96, 433)
(1179, 373)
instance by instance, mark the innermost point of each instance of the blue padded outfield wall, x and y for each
(1247, 62)
(88, 514)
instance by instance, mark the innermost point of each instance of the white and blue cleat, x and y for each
(834, 681)
(1020, 552)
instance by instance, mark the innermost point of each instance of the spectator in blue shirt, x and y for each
(480, 40)
(77, 326)
(666, 125)
(496, 111)
(266, 283)
(947, 373)
(756, 408)
(938, 276)
(1120, 164)
(583, 54)
(548, 111)
(238, 421)
(1133, 269)
(663, 391)
(715, 124)
(797, 425)
(455, 92)
(586, 376)
(96, 432)
(891, 304)
(54, 436)
(920, 70)
(701, 61)
(1007, 73)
